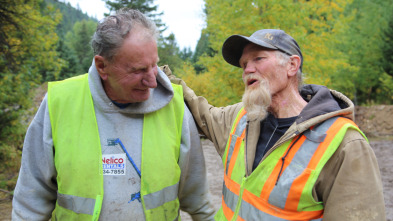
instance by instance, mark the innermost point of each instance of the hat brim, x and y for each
(233, 47)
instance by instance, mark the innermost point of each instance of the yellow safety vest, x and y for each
(280, 188)
(78, 156)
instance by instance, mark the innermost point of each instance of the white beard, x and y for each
(256, 99)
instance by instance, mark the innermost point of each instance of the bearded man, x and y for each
(290, 152)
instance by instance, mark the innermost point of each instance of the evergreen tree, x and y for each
(360, 40)
(202, 49)
(70, 16)
(186, 54)
(79, 41)
(387, 48)
(147, 7)
(73, 49)
(70, 66)
(82, 47)
(168, 52)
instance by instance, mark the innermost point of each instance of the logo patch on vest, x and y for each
(114, 164)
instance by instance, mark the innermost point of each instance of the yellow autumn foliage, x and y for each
(314, 24)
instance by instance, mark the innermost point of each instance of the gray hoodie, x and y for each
(36, 190)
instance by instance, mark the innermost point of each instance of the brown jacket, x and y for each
(349, 185)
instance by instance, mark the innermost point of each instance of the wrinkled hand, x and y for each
(188, 93)
(171, 76)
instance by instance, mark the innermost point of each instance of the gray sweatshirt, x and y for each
(36, 189)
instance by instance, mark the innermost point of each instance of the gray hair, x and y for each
(112, 30)
(283, 58)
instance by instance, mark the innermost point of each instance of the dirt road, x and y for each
(384, 151)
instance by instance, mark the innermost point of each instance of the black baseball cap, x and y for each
(232, 48)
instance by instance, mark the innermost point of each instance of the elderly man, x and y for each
(289, 152)
(117, 143)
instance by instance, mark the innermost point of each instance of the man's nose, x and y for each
(150, 80)
(248, 69)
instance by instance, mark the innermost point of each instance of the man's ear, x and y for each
(101, 64)
(294, 65)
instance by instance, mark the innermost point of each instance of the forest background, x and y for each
(347, 46)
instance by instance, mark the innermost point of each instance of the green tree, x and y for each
(362, 41)
(27, 57)
(387, 63)
(147, 7)
(79, 41)
(70, 16)
(202, 48)
(387, 48)
(186, 54)
(73, 63)
(70, 66)
(169, 52)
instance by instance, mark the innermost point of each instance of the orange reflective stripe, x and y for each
(252, 206)
(228, 213)
(331, 133)
(232, 185)
(226, 155)
(240, 115)
(240, 219)
(271, 181)
(296, 191)
(235, 153)
(299, 183)
(264, 206)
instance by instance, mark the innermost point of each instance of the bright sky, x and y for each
(184, 18)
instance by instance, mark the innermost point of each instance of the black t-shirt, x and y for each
(271, 130)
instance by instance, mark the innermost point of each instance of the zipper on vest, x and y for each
(245, 151)
(239, 201)
(278, 144)
(283, 158)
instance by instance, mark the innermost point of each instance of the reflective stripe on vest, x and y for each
(247, 210)
(158, 198)
(277, 189)
(76, 203)
(77, 145)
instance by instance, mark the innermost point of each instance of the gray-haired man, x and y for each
(117, 143)
(288, 154)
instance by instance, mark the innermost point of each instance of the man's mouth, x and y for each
(142, 89)
(252, 82)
